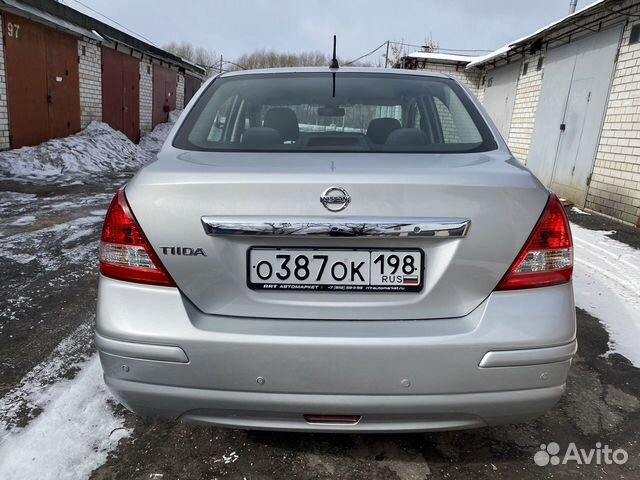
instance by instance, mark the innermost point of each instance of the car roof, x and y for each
(363, 70)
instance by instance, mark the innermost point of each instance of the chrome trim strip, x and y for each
(336, 227)
(535, 356)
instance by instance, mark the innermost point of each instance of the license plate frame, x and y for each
(340, 288)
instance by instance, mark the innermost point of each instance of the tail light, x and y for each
(547, 257)
(125, 252)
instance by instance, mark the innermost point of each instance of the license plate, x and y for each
(367, 270)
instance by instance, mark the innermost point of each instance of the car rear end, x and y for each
(326, 250)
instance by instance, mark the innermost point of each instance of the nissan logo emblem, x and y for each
(335, 199)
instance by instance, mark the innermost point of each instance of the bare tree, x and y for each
(263, 58)
(396, 51)
(206, 58)
(270, 59)
(181, 49)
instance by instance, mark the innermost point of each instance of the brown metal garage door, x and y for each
(191, 86)
(164, 93)
(42, 82)
(121, 92)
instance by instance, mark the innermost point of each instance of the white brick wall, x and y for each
(615, 184)
(180, 92)
(90, 56)
(4, 112)
(146, 95)
(524, 107)
(471, 78)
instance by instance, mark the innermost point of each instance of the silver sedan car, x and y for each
(350, 250)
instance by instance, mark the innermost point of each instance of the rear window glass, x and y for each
(329, 112)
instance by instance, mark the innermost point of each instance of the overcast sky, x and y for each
(234, 27)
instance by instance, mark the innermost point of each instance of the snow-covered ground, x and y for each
(71, 437)
(58, 422)
(606, 282)
(73, 428)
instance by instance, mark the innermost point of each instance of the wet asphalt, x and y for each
(49, 282)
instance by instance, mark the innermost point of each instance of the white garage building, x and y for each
(567, 100)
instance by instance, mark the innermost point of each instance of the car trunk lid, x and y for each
(176, 199)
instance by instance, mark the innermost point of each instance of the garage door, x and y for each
(121, 92)
(573, 100)
(500, 95)
(42, 82)
(164, 93)
(191, 86)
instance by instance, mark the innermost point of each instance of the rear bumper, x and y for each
(505, 362)
(380, 413)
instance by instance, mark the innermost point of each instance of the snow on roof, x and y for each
(89, 12)
(509, 46)
(194, 64)
(444, 57)
(489, 56)
(31, 12)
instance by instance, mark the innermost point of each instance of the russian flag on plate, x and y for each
(410, 279)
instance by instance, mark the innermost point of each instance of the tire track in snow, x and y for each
(607, 285)
(591, 246)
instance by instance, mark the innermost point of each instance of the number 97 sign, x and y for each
(13, 30)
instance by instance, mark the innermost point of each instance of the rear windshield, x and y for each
(329, 112)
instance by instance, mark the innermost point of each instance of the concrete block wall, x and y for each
(615, 182)
(525, 107)
(146, 95)
(90, 70)
(180, 92)
(4, 109)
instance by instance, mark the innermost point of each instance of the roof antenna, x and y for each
(334, 60)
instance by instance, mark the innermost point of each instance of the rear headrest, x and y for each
(379, 129)
(261, 136)
(407, 137)
(284, 120)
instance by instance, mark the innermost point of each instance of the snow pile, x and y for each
(606, 283)
(32, 394)
(71, 437)
(153, 141)
(95, 151)
(70, 424)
